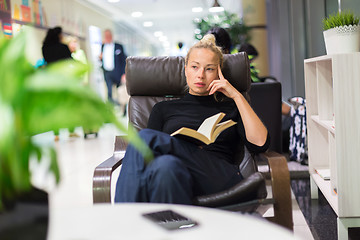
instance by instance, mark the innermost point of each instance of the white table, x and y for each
(125, 221)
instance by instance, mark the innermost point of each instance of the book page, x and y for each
(191, 133)
(209, 124)
(221, 127)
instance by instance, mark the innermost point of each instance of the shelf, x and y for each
(317, 59)
(328, 124)
(325, 188)
(331, 84)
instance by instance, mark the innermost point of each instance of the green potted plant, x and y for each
(341, 33)
(238, 31)
(34, 101)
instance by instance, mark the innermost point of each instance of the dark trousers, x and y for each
(109, 80)
(179, 172)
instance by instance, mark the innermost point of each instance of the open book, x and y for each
(209, 130)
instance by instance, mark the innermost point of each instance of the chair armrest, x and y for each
(103, 173)
(280, 183)
(248, 189)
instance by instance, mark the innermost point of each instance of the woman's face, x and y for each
(201, 70)
(73, 46)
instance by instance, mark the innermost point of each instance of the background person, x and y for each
(113, 60)
(53, 50)
(77, 54)
(181, 169)
(181, 50)
(222, 39)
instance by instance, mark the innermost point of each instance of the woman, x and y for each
(222, 39)
(53, 50)
(77, 54)
(182, 170)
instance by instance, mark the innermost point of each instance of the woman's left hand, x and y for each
(222, 85)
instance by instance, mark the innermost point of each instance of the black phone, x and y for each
(170, 220)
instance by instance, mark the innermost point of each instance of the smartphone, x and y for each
(170, 220)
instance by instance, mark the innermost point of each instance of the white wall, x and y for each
(71, 15)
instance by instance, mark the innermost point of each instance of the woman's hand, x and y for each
(222, 85)
(255, 130)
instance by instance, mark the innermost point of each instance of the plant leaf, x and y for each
(12, 59)
(69, 68)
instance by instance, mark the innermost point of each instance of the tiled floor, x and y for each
(319, 216)
(301, 229)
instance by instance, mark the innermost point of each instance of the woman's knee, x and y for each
(167, 164)
(169, 181)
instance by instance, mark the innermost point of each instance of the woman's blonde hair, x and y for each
(208, 42)
(66, 40)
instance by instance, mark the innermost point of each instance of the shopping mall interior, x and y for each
(66, 123)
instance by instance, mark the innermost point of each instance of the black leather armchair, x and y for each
(265, 100)
(154, 79)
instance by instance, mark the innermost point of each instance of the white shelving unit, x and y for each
(332, 86)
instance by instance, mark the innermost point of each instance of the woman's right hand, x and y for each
(222, 85)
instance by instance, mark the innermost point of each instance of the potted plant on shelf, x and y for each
(341, 33)
(34, 101)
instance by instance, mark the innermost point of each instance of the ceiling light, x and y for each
(197, 9)
(113, 1)
(148, 24)
(136, 14)
(158, 34)
(163, 38)
(216, 7)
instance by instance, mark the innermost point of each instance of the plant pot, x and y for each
(343, 39)
(26, 217)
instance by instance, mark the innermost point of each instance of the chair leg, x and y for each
(280, 180)
(103, 173)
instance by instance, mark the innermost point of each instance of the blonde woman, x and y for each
(77, 53)
(183, 170)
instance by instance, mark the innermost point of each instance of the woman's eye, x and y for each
(194, 67)
(210, 69)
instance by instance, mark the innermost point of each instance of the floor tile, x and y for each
(319, 215)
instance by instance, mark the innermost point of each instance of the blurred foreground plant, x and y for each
(34, 101)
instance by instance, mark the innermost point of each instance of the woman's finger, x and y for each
(213, 87)
(212, 84)
(213, 90)
(218, 86)
(221, 76)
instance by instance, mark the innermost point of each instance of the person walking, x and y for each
(113, 60)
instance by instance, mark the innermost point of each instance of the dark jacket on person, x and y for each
(119, 62)
(54, 52)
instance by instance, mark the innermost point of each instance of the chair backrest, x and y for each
(265, 98)
(153, 79)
